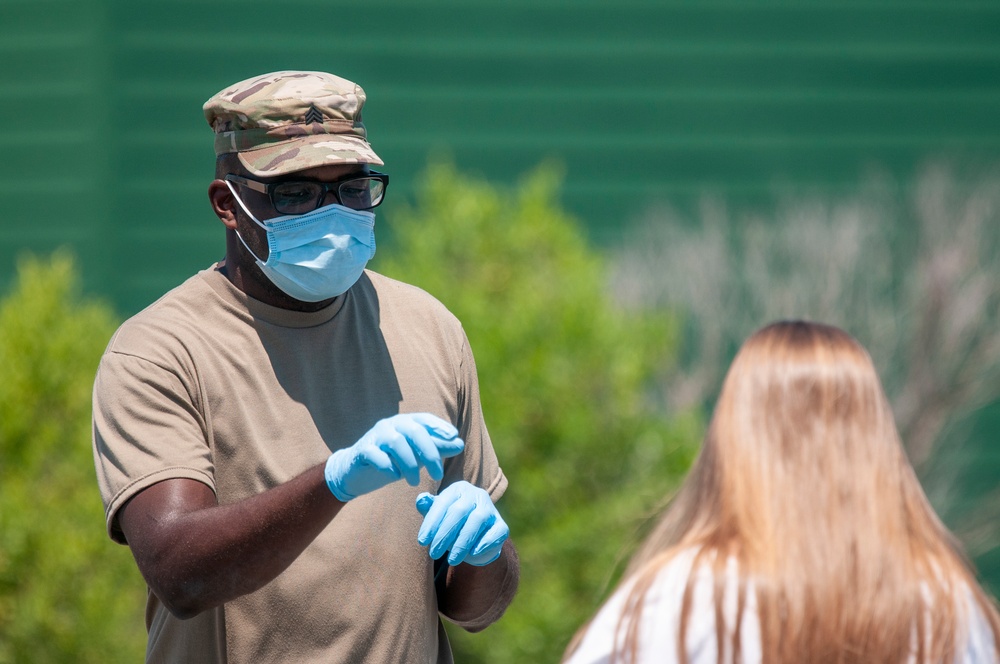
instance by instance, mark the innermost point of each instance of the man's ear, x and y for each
(223, 203)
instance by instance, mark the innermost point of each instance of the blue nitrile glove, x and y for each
(463, 521)
(394, 448)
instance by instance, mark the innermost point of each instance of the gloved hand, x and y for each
(463, 520)
(394, 448)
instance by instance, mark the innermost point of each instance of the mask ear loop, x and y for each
(249, 214)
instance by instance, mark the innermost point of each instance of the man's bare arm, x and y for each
(476, 597)
(196, 554)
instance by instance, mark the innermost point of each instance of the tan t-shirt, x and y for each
(211, 385)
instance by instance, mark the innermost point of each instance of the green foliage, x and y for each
(67, 594)
(563, 375)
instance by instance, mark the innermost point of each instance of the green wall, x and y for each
(643, 102)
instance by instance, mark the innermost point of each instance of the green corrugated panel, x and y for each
(54, 184)
(643, 101)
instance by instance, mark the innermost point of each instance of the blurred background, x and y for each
(611, 196)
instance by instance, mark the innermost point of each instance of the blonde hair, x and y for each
(803, 481)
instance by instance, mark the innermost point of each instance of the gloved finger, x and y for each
(424, 502)
(493, 538)
(445, 435)
(372, 456)
(451, 526)
(423, 446)
(395, 444)
(488, 555)
(467, 537)
(435, 425)
(437, 513)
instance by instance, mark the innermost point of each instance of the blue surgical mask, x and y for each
(318, 255)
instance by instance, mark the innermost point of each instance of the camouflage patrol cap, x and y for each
(288, 121)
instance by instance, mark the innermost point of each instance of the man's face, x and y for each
(261, 206)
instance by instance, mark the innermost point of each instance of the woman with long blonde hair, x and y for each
(801, 533)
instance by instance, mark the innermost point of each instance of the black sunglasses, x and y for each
(358, 192)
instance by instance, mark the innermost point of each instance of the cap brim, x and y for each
(310, 151)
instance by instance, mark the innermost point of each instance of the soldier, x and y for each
(252, 425)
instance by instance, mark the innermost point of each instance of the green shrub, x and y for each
(67, 594)
(563, 375)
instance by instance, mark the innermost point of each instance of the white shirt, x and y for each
(661, 616)
(660, 622)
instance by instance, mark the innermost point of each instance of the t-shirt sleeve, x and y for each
(146, 429)
(478, 463)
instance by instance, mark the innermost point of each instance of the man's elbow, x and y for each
(182, 603)
(182, 612)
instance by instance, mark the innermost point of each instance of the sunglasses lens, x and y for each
(296, 197)
(361, 193)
